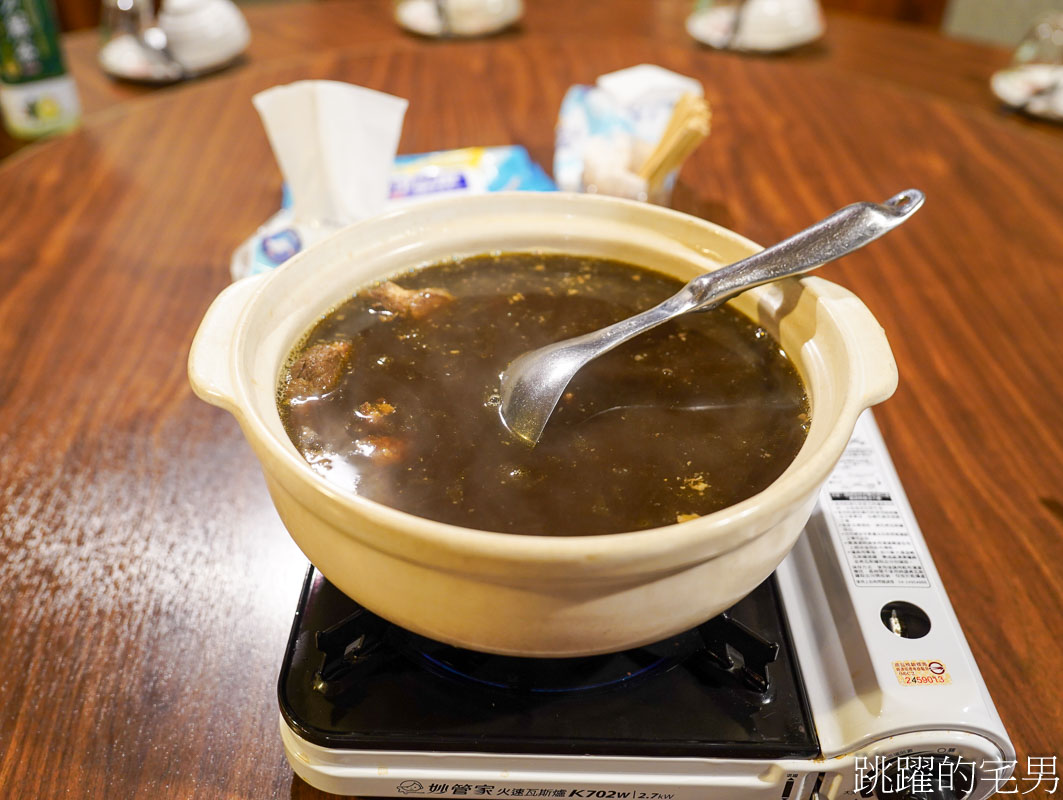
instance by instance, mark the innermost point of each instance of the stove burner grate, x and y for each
(728, 688)
(722, 648)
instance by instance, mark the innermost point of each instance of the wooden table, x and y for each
(148, 586)
(916, 57)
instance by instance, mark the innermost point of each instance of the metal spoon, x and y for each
(166, 67)
(533, 383)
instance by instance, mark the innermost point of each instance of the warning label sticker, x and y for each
(873, 531)
(921, 673)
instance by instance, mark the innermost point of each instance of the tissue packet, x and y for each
(469, 170)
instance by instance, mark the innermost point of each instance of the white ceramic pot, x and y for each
(531, 595)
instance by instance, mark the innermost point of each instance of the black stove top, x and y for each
(728, 688)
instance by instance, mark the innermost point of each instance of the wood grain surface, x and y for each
(147, 584)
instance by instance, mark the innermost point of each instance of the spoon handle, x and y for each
(841, 233)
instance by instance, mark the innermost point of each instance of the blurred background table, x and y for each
(917, 57)
(148, 586)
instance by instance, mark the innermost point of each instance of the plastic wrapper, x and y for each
(413, 177)
(606, 131)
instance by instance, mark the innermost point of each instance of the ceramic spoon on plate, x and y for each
(533, 383)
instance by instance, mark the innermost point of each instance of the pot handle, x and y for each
(876, 369)
(210, 357)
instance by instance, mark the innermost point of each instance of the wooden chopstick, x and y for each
(686, 129)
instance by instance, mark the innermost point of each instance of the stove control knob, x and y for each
(925, 776)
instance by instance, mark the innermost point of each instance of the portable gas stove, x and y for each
(845, 674)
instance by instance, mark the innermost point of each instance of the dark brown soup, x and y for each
(393, 396)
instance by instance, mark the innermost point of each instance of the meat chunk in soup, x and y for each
(317, 370)
(412, 303)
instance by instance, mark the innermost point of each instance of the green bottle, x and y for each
(37, 96)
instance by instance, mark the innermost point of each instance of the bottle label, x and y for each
(29, 42)
(39, 108)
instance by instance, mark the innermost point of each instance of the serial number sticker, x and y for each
(921, 673)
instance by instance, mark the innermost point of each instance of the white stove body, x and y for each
(875, 695)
